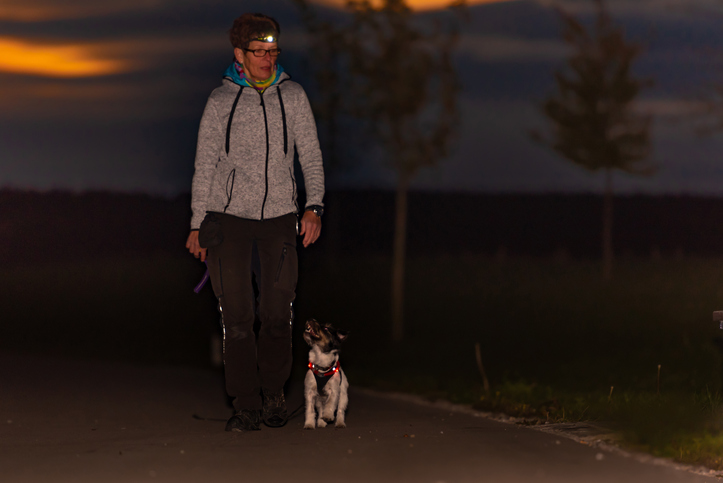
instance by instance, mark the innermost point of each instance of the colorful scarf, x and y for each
(261, 85)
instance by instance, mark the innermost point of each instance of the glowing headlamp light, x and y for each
(269, 39)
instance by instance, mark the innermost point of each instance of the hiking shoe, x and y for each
(244, 420)
(274, 413)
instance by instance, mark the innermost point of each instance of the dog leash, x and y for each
(203, 281)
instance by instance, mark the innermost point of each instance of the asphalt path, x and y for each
(87, 421)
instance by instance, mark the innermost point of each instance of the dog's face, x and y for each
(326, 337)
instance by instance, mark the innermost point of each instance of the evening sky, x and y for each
(109, 95)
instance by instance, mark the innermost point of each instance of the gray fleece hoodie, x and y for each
(245, 167)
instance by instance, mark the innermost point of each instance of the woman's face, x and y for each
(257, 68)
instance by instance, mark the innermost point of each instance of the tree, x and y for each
(403, 88)
(594, 122)
(327, 43)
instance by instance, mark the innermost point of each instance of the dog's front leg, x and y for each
(320, 403)
(310, 396)
(332, 399)
(343, 402)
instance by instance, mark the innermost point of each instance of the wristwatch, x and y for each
(317, 209)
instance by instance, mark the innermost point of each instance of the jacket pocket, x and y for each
(293, 190)
(230, 180)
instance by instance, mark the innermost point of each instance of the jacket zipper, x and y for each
(230, 120)
(266, 172)
(283, 120)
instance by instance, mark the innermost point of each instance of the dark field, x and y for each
(554, 337)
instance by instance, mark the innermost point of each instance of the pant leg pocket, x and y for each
(286, 268)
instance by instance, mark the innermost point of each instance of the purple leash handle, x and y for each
(203, 281)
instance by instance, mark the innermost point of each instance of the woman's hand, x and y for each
(194, 248)
(310, 228)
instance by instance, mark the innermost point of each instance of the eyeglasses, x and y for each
(263, 52)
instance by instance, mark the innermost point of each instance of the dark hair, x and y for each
(251, 26)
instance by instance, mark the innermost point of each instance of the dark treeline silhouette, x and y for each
(63, 227)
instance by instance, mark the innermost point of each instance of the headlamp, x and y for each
(267, 38)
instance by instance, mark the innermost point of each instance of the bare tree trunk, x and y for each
(607, 233)
(398, 257)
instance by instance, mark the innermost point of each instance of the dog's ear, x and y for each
(341, 335)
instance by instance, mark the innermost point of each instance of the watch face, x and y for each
(317, 210)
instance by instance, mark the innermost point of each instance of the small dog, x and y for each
(325, 386)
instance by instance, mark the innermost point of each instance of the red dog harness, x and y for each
(323, 376)
(324, 373)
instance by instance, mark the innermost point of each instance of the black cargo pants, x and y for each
(250, 364)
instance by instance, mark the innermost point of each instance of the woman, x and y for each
(245, 215)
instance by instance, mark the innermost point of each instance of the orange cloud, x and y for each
(40, 10)
(414, 4)
(72, 60)
(434, 4)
